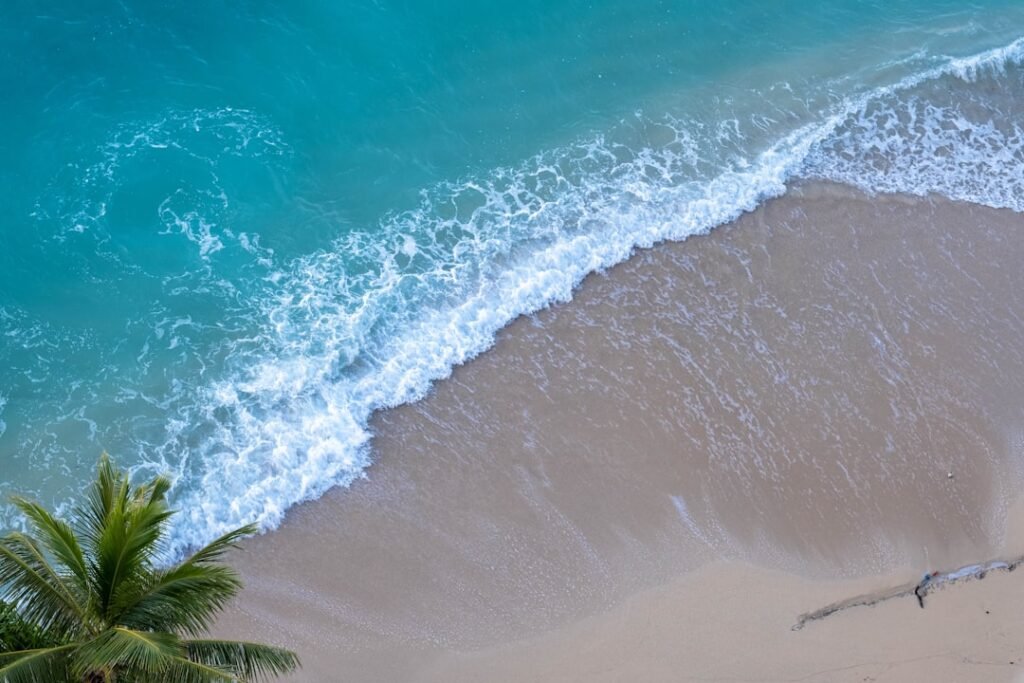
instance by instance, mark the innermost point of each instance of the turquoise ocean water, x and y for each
(233, 230)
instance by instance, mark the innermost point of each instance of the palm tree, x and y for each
(93, 603)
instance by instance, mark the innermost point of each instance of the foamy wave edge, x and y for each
(272, 461)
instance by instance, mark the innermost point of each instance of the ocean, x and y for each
(235, 231)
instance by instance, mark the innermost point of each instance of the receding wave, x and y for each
(928, 137)
(372, 322)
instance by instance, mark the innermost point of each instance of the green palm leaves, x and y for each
(90, 603)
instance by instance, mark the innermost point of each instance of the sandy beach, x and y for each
(590, 341)
(653, 481)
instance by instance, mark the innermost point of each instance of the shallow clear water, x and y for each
(235, 231)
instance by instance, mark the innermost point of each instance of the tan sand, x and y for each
(733, 623)
(755, 421)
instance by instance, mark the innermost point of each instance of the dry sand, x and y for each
(653, 481)
(732, 622)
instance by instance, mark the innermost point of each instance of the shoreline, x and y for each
(784, 398)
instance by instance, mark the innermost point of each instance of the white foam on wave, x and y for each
(178, 215)
(965, 145)
(348, 332)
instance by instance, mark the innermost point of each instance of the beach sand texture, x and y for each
(653, 481)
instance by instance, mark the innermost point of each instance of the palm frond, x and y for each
(214, 551)
(184, 670)
(42, 665)
(100, 500)
(58, 538)
(156, 490)
(184, 598)
(188, 596)
(248, 661)
(117, 648)
(126, 546)
(30, 582)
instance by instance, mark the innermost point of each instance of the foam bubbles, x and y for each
(962, 141)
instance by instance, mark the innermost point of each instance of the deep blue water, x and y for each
(233, 230)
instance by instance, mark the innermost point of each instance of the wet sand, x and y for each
(710, 439)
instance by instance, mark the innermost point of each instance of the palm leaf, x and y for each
(214, 551)
(100, 500)
(57, 537)
(156, 490)
(188, 596)
(184, 670)
(248, 661)
(42, 665)
(119, 648)
(30, 582)
(128, 544)
(185, 598)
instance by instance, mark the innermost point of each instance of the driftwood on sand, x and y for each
(917, 589)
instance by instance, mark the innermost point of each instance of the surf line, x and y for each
(930, 582)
